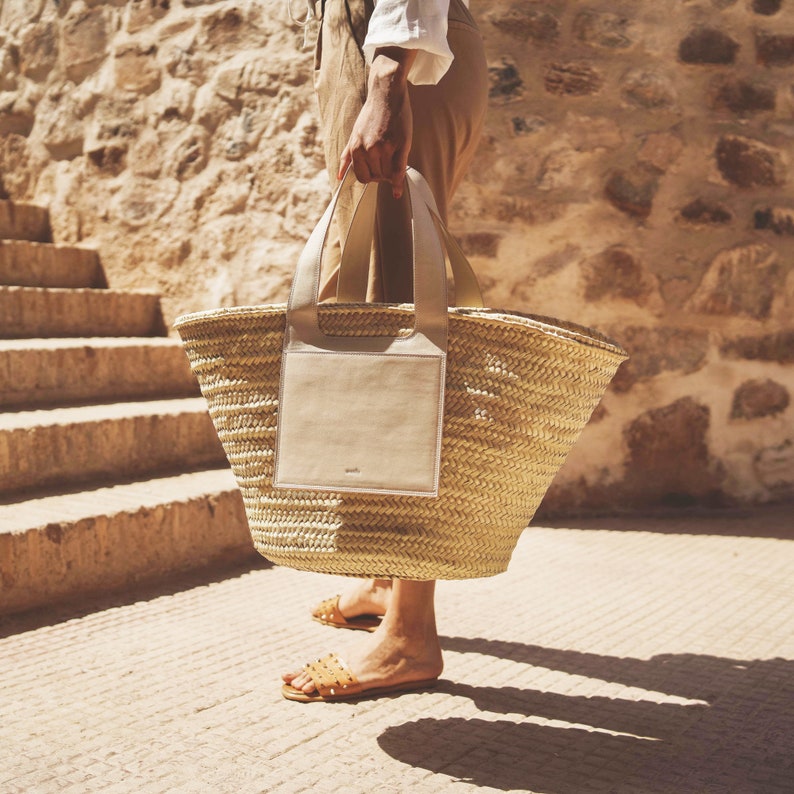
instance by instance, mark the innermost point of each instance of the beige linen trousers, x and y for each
(448, 120)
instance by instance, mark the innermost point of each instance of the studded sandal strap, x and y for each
(329, 609)
(331, 677)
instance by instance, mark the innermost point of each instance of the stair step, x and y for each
(63, 446)
(58, 371)
(40, 312)
(109, 538)
(27, 264)
(24, 222)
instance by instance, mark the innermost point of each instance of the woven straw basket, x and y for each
(519, 391)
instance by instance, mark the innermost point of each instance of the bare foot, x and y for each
(403, 648)
(366, 597)
(385, 658)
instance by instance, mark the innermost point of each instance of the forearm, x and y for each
(387, 86)
(390, 67)
(380, 142)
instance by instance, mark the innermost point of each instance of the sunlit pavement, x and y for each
(630, 655)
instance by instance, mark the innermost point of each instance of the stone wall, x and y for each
(635, 175)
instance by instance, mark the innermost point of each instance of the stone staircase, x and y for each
(110, 470)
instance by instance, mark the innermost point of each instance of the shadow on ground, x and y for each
(737, 737)
(768, 521)
(143, 591)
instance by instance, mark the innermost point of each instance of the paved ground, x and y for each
(623, 656)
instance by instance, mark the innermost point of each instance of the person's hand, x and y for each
(380, 142)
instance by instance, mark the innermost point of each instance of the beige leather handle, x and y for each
(430, 288)
(353, 270)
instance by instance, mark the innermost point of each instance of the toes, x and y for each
(300, 680)
(304, 682)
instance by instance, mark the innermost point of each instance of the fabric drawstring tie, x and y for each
(313, 13)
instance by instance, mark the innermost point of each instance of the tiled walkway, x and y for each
(620, 656)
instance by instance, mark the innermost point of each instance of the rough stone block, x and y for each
(758, 398)
(708, 46)
(749, 163)
(9, 67)
(14, 14)
(107, 140)
(526, 22)
(648, 89)
(141, 201)
(505, 81)
(137, 69)
(185, 63)
(704, 212)
(84, 41)
(777, 347)
(742, 96)
(59, 116)
(780, 220)
(774, 50)
(479, 243)
(617, 273)
(17, 114)
(767, 7)
(527, 125)
(775, 468)
(602, 29)
(742, 280)
(632, 192)
(519, 208)
(143, 13)
(39, 48)
(572, 79)
(660, 150)
(188, 153)
(225, 26)
(668, 455)
(653, 351)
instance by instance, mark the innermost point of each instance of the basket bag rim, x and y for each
(562, 329)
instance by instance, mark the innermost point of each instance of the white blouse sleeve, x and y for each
(413, 25)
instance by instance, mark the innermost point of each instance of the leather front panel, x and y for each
(360, 422)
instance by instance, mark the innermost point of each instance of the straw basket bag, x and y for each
(512, 393)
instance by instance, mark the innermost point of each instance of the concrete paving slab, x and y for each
(24, 222)
(60, 546)
(41, 312)
(36, 372)
(652, 658)
(28, 264)
(55, 447)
